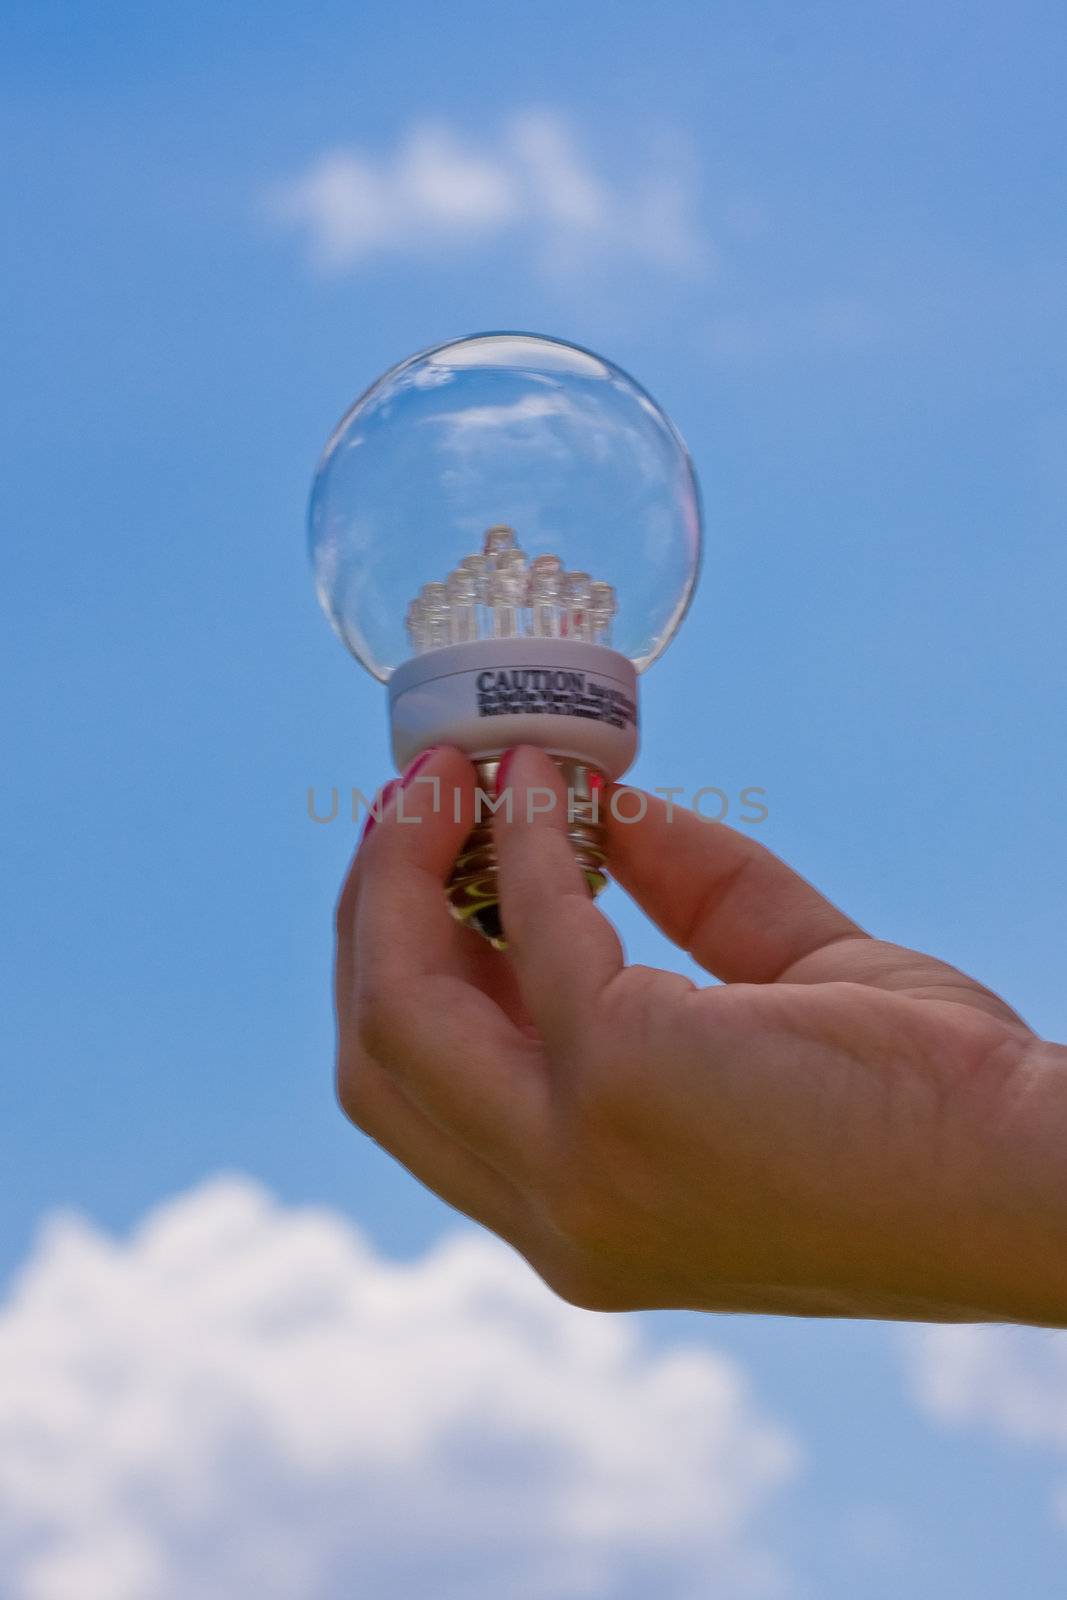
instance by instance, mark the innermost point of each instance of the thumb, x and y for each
(733, 905)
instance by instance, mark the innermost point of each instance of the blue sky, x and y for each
(831, 241)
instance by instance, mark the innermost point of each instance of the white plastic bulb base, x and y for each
(575, 700)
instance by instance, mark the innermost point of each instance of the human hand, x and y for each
(842, 1127)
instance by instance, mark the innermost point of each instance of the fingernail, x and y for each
(376, 811)
(502, 769)
(417, 765)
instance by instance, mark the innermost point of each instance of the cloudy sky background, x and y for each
(247, 1354)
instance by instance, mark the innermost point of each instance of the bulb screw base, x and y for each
(472, 891)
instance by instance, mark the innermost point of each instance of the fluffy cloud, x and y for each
(1012, 1381)
(1008, 1381)
(435, 189)
(244, 1399)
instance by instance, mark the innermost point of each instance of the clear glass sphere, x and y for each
(500, 485)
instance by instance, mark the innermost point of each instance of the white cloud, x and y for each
(1011, 1382)
(244, 1399)
(533, 182)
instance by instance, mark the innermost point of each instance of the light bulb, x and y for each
(506, 530)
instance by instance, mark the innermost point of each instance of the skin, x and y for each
(842, 1127)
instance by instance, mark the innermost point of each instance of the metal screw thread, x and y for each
(472, 888)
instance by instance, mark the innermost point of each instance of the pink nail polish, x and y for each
(417, 765)
(376, 811)
(502, 769)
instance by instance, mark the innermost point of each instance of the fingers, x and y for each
(736, 908)
(404, 993)
(563, 949)
(456, 948)
(377, 1105)
(424, 820)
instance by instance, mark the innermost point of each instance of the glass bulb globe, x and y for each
(526, 438)
(506, 530)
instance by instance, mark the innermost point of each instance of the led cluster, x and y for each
(499, 594)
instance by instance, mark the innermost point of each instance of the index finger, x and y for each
(453, 1049)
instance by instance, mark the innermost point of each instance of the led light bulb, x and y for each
(506, 530)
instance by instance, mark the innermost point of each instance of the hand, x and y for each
(842, 1127)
